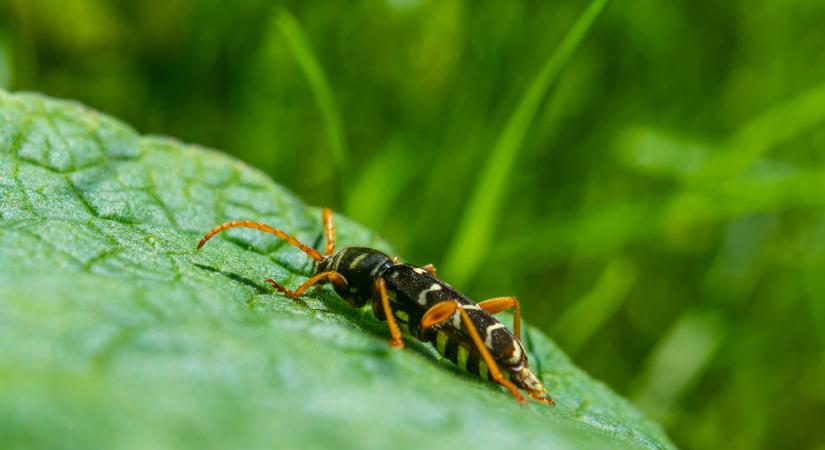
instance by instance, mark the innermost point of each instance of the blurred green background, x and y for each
(662, 214)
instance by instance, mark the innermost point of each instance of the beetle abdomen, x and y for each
(414, 290)
(462, 354)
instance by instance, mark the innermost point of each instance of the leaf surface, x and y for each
(116, 333)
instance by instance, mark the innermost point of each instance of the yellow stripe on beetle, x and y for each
(441, 340)
(463, 353)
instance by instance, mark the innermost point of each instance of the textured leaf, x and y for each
(116, 333)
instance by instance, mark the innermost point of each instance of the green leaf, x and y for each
(116, 333)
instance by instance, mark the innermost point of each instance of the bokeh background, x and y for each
(660, 212)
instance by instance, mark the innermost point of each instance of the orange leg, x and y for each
(396, 341)
(442, 312)
(542, 398)
(438, 313)
(499, 304)
(333, 277)
(329, 229)
(265, 228)
(430, 268)
(396, 260)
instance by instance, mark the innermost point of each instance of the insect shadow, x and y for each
(360, 318)
(256, 287)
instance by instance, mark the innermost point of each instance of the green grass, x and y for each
(477, 227)
(298, 44)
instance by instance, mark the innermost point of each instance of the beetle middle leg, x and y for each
(442, 312)
(381, 288)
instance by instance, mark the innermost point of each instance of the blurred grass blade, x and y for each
(815, 287)
(656, 152)
(299, 46)
(589, 313)
(477, 224)
(372, 206)
(591, 232)
(779, 124)
(678, 361)
(754, 138)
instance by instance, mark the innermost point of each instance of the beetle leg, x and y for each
(438, 313)
(333, 277)
(430, 268)
(441, 312)
(499, 304)
(542, 398)
(381, 288)
(329, 230)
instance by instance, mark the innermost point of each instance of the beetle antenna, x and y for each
(311, 252)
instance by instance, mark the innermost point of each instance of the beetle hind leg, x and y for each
(442, 312)
(499, 304)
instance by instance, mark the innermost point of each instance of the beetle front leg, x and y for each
(333, 277)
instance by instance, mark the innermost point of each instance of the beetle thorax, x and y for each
(360, 266)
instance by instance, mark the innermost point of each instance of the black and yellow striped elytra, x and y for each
(412, 292)
(425, 306)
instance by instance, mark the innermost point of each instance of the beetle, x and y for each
(415, 299)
